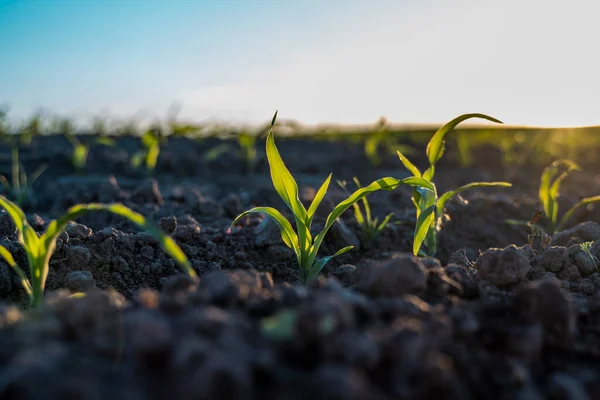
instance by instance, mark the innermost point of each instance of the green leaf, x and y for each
(569, 214)
(516, 222)
(283, 181)
(408, 165)
(429, 172)
(554, 190)
(286, 187)
(149, 139)
(365, 203)
(106, 141)
(288, 235)
(548, 191)
(37, 173)
(274, 119)
(318, 198)
(426, 217)
(15, 213)
(280, 326)
(4, 253)
(441, 204)
(435, 147)
(384, 222)
(216, 152)
(318, 266)
(152, 156)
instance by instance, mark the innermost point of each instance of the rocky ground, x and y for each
(490, 317)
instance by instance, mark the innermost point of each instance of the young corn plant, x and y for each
(549, 192)
(370, 227)
(148, 155)
(429, 206)
(380, 138)
(302, 241)
(247, 149)
(586, 247)
(80, 153)
(81, 150)
(20, 184)
(39, 249)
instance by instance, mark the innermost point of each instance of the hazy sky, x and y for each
(532, 62)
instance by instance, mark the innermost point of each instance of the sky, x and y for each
(526, 62)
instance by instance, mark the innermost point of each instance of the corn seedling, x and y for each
(247, 149)
(32, 128)
(380, 138)
(370, 227)
(81, 150)
(464, 144)
(39, 249)
(429, 206)
(148, 155)
(80, 153)
(20, 185)
(549, 192)
(301, 241)
(586, 247)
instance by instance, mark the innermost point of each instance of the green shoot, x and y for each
(549, 192)
(81, 150)
(20, 185)
(301, 241)
(374, 140)
(429, 206)
(370, 227)
(586, 247)
(247, 149)
(246, 142)
(148, 155)
(80, 153)
(380, 138)
(39, 249)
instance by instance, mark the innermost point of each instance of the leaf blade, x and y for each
(435, 147)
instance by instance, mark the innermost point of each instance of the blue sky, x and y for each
(527, 62)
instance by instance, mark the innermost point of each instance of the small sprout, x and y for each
(148, 155)
(549, 192)
(280, 326)
(587, 248)
(370, 227)
(429, 206)
(380, 138)
(81, 150)
(39, 249)
(247, 149)
(301, 241)
(80, 153)
(20, 186)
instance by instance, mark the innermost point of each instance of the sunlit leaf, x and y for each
(318, 198)
(567, 216)
(441, 204)
(435, 147)
(408, 165)
(320, 264)
(288, 235)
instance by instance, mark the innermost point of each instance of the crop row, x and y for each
(429, 208)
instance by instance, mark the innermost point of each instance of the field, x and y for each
(496, 310)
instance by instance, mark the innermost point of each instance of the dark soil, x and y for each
(489, 318)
